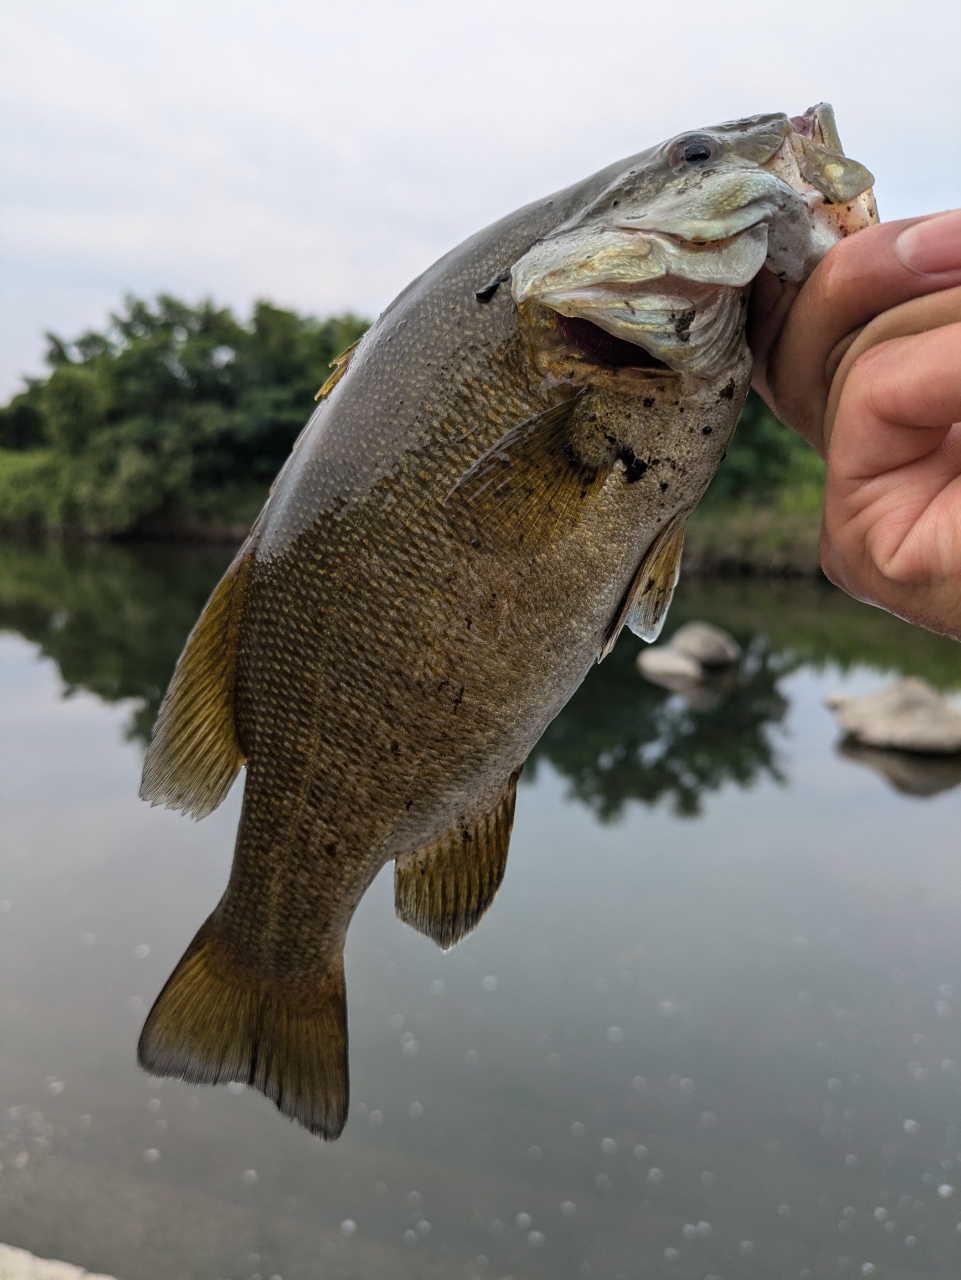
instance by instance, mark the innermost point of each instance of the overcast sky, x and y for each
(321, 154)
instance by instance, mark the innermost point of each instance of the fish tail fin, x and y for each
(214, 1022)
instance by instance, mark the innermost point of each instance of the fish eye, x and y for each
(695, 150)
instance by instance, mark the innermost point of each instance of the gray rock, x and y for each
(908, 716)
(664, 663)
(706, 644)
(18, 1264)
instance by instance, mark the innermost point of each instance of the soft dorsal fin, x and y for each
(339, 366)
(215, 1021)
(532, 482)
(644, 607)
(443, 889)
(194, 754)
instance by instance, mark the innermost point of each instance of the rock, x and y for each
(909, 716)
(706, 644)
(18, 1264)
(908, 772)
(663, 663)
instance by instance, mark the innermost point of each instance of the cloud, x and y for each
(322, 155)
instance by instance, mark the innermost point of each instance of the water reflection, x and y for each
(907, 772)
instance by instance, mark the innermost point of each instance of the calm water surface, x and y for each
(709, 1028)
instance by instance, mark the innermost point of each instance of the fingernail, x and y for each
(933, 246)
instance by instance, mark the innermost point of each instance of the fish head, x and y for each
(655, 271)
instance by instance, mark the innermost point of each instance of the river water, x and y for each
(709, 1028)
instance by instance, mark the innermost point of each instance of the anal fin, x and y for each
(215, 1021)
(648, 598)
(443, 889)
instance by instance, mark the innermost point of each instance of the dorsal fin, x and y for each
(443, 889)
(339, 365)
(215, 1022)
(194, 754)
(532, 482)
(648, 598)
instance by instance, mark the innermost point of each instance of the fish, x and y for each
(494, 484)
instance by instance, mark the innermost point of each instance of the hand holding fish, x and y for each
(882, 402)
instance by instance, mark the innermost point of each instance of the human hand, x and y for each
(882, 402)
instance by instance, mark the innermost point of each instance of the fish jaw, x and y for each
(664, 259)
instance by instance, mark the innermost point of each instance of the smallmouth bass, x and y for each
(494, 484)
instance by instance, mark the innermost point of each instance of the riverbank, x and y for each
(732, 542)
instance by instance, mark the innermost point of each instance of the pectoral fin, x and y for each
(644, 607)
(532, 483)
(194, 755)
(444, 889)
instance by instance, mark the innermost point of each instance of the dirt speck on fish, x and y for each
(495, 482)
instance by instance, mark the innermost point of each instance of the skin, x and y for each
(864, 363)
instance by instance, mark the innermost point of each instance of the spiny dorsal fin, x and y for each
(444, 889)
(644, 607)
(194, 755)
(531, 482)
(216, 1022)
(339, 366)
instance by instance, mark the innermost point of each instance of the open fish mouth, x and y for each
(664, 258)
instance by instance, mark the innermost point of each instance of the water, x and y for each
(709, 1028)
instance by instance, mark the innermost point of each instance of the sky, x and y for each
(321, 155)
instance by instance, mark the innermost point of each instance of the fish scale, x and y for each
(476, 508)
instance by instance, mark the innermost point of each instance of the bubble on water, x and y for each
(849, 1211)
(577, 1129)
(253, 1257)
(911, 1126)
(851, 1161)
(22, 1159)
(423, 1227)
(568, 1208)
(641, 1152)
(554, 1061)
(639, 1083)
(608, 1146)
(135, 1004)
(686, 1085)
(689, 1231)
(671, 1255)
(86, 1121)
(236, 1087)
(880, 1214)
(534, 1153)
(437, 987)
(615, 1035)
(945, 1191)
(666, 1008)
(603, 1182)
(801, 944)
(142, 951)
(497, 1227)
(376, 1117)
(56, 1087)
(249, 1177)
(87, 939)
(747, 1246)
(707, 1178)
(784, 1211)
(834, 1085)
(535, 1239)
(151, 1155)
(410, 1237)
(655, 1175)
(396, 1021)
(910, 1241)
(946, 990)
(348, 1227)
(868, 1268)
(704, 1228)
(414, 1199)
(947, 1064)
(709, 1119)
(489, 983)
(415, 1110)
(153, 1104)
(472, 1057)
(409, 1048)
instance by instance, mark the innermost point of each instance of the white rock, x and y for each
(663, 664)
(18, 1264)
(706, 644)
(909, 716)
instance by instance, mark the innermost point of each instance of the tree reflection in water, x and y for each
(114, 618)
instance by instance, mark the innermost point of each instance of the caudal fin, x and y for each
(214, 1022)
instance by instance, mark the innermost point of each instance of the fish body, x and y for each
(495, 482)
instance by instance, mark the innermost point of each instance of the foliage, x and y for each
(173, 414)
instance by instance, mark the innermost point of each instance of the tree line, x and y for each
(175, 418)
